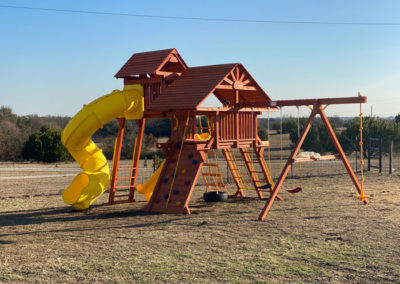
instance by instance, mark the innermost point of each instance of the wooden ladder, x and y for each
(212, 178)
(235, 171)
(124, 179)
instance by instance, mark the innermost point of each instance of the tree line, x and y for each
(38, 138)
(346, 130)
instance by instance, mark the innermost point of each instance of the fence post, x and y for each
(380, 155)
(369, 154)
(391, 157)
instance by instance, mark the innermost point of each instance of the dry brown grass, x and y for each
(321, 234)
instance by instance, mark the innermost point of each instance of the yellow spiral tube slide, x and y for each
(76, 137)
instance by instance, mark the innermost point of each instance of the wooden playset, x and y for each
(173, 90)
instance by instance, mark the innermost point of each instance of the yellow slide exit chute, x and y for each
(76, 137)
(148, 188)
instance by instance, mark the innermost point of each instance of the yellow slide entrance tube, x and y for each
(76, 137)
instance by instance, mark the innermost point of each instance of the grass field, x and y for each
(322, 234)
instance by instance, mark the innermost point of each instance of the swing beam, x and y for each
(318, 107)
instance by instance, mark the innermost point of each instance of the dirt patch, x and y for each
(322, 234)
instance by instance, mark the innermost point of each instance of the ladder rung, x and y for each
(124, 177)
(123, 186)
(260, 181)
(126, 169)
(121, 195)
(259, 172)
(211, 174)
(247, 152)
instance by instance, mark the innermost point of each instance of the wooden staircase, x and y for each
(235, 171)
(252, 165)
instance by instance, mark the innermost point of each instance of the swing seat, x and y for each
(297, 189)
(265, 186)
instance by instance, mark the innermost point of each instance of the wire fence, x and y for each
(276, 160)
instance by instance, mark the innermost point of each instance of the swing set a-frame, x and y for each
(318, 107)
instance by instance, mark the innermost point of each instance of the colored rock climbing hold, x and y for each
(165, 180)
(165, 196)
(184, 171)
(172, 175)
(194, 162)
(178, 203)
(175, 192)
(158, 200)
(190, 156)
(188, 182)
(178, 146)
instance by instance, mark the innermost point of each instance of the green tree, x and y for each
(157, 161)
(372, 128)
(317, 139)
(397, 118)
(45, 145)
(263, 134)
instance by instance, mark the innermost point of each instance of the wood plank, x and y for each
(237, 87)
(322, 101)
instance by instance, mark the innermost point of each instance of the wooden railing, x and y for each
(151, 92)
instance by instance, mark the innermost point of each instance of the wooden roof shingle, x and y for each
(195, 84)
(191, 88)
(145, 62)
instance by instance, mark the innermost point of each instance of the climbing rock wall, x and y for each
(172, 195)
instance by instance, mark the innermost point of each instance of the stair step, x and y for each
(215, 184)
(211, 174)
(209, 165)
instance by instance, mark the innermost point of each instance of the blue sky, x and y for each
(52, 63)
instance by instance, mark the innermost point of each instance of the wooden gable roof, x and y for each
(152, 62)
(195, 84)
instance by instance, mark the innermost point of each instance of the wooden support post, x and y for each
(339, 149)
(380, 155)
(216, 129)
(116, 158)
(288, 165)
(136, 158)
(391, 158)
